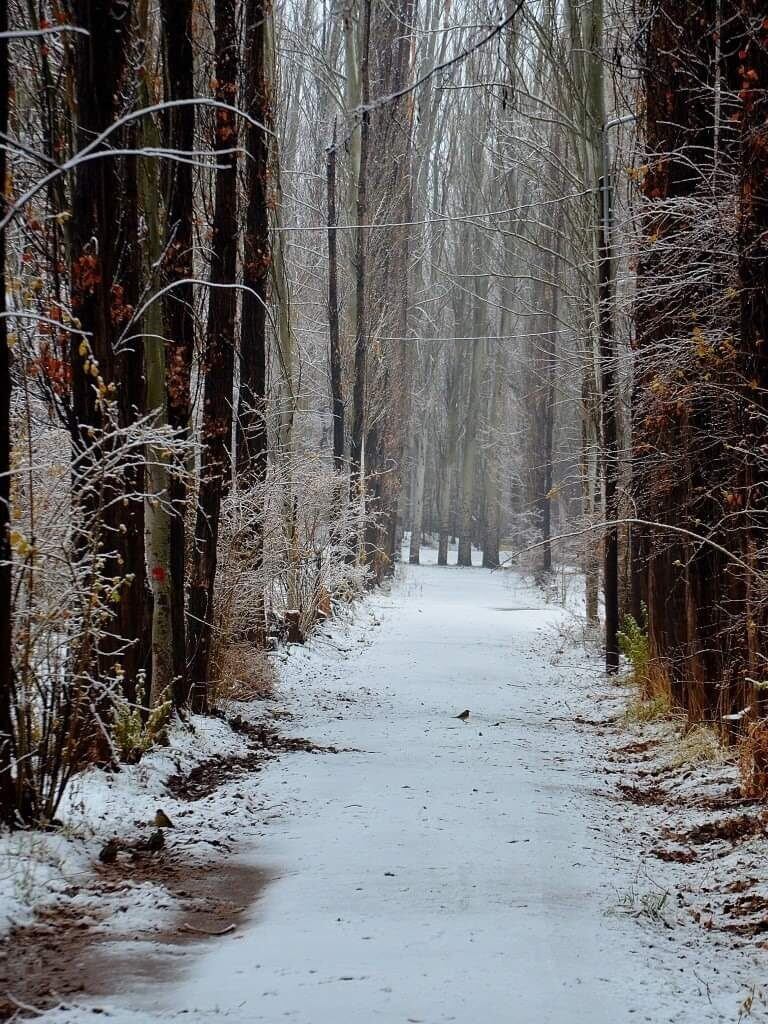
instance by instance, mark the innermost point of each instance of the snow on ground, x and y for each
(42, 871)
(433, 870)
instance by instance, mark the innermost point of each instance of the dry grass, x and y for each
(648, 709)
(753, 760)
(701, 744)
(243, 672)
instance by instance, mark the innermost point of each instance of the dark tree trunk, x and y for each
(135, 608)
(257, 260)
(252, 438)
(610, 442)
(179, 132)
(753, 273)
(391, 183)
(636, 577)
(337, 397)
(7, 785)
(550, 361)
(218, 363)
(442, 548)
(104, 292)
(357, 470)
(470, 447)
(679, 466)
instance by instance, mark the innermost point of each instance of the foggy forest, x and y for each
(383, 465)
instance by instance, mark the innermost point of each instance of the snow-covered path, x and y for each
(433, 870)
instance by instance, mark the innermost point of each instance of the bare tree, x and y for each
(218, 359)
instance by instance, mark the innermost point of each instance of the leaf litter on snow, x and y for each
(707, 840)
(147, 854)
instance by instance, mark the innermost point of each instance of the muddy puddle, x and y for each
(65, 955)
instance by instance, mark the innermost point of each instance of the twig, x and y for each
(202, 931)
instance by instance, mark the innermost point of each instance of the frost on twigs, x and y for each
(277, 583)
(73, 701)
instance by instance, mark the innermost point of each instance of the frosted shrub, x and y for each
(72, 704)
(287, 554)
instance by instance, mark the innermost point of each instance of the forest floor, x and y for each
(546, 861)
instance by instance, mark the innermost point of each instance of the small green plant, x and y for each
(648, 709)
(633, 643)
(131, 733)
(647, 904)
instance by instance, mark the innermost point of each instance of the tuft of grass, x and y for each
(650, 905)
(702, 744)
(748, 1003)
(642, 709)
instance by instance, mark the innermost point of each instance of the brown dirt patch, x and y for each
(633, 749)
(265, 741)
(726, 801)
(208, 776)
(741, 885)
(674, 856)
(268, 738)
(594, 723)
(739, 827)
(745, 906)
(650, 795)
(655, 795)
(749, 929)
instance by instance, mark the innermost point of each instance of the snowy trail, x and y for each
(437, 871)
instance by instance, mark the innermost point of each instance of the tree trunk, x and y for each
(251, 411)
(550, 366)
(218, 363)
(107, 386)
(418, 500)
(610, 443)
(470, 446)
(337, 396)
(8, 799)
(157, 516)
(673, 482)
(286, 356)
(448, 473)
(753, 274)
(357, 467)
(493, 474)
(178, 304)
